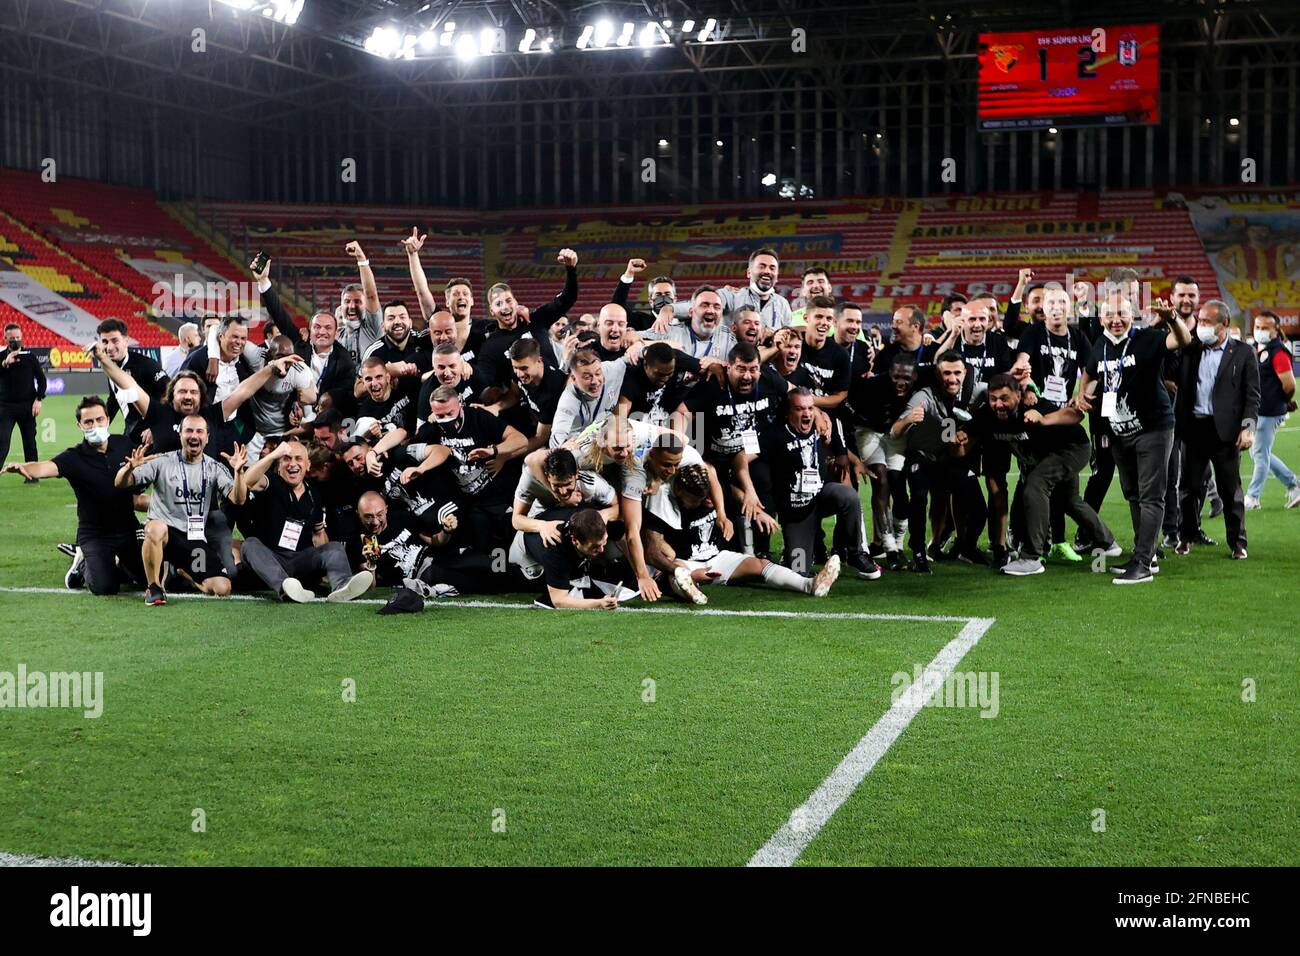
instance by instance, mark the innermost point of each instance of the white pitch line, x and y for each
(22, 859)
(505, 605)
(808, 819)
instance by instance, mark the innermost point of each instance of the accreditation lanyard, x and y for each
(1058, 361)
(185, 483)
(1114, 378)
(695, 341)
(583, 419)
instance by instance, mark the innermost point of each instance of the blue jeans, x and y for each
(1265, 460)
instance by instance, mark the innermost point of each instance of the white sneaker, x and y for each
(358, 585)
(75, 579)
(686, 584)
(292, 589)
(826, 576)
(1252, 504)
(1293, 497)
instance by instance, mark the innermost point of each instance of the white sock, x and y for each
(779, 576)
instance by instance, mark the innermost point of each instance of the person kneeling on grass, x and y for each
(281, 507)
(186, 485)
(570, 566)
(1052, 448)
(684, 529)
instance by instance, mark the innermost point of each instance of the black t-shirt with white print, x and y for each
(1134, 372)
(475, 429)
(1053, 357)
(987, 359)
(798, 467)
(826, 368)
(697, 539)
(729, 416)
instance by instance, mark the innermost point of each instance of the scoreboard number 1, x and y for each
(1087, 63)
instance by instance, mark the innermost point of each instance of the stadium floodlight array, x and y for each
(282, 11)
(394, 41)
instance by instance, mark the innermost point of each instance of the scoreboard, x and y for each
(1094, 76)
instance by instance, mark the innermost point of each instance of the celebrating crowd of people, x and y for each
(596, 459)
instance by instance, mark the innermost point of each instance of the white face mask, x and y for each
(96, 436)
(1262, 337)
(353, 324)
(1114, 339)
(1208, 334)
(445, 419)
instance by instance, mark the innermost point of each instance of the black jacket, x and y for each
(23, 382)
(1236, 389)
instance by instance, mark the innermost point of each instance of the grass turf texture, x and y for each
(1121, 699)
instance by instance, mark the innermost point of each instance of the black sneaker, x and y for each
(1202, 538)
(921, 565)
(1134, 575)
(31, 481)
(863, 566)
(973, 556)
(875, 551)
(896, 561)
(1128, 565)
(154, 596)
(1001, 558)
(935, 552)
(1170, 540)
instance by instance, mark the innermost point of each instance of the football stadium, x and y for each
(768, 434)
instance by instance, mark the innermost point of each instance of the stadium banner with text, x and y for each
(189, 289)
(1253, 241)
(44, 306)
(56, 359)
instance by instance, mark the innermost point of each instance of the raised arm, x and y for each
(412, 244)
(368, 287)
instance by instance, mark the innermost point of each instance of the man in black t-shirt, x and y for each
(148, 374)
(1052, 448)
(1125, 378)
(108, 543)
(570, 567)
(656, 388)
(824, 363)
(804, 491)
(289, 550)
(515, 322)
(908, 331)
(386, 407)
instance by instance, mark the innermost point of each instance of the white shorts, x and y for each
(724, 564)
(876, 448)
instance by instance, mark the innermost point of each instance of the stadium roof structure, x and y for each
(259, 72)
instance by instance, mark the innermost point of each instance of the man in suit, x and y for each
(1218, 409)
(331, 363)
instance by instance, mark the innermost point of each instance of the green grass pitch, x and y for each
(503, 736)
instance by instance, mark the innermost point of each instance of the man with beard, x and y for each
(390, 544)
(359, 309)
(404, 353)
(746, 326)
(457, 293)
(908, 337)
(147, 374)
(873, 405)
(788, 344)
(685, 540)
(1186, 300)
(331, 365)
(341, 485)
(291, 379)
(1129, 370)
(228, 359)
(451, 369)
(484, 450)
(108, 545)
(703, 335)
(530, 406)
(186, 487)
(591, 396)
(803, 490)
(289, 550)
(1052, 448)
(825, 364)
(569, 566)
(1031, 294)
(934, 462)
(735, 412)
(662, 294)
(515, 322)
(815, 281)
(386, 412)
(760, 294)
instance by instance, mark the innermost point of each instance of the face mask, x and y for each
(445, 419)
(353, 324)
(1208, 334)
(1262, 337)
(96, 436)
(1114, 339)
(659, 301)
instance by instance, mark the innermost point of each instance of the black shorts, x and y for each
(197, 558)
(994, 460)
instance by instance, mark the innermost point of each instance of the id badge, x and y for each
(290, 535)
(1055, 391)
(749, 438)
(810, 481)
(194, 530)
(1108, 402)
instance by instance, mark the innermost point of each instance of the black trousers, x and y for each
(1103, 465)
(1143, 464)
(1204, 448)
(926, 477)
(761, 476)
(111, 561)
(1051, 485)
(19, 414)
